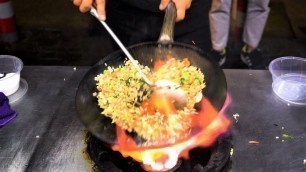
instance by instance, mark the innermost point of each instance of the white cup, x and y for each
(10, 68)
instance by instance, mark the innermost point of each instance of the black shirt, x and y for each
(137, 21)
(148, 5)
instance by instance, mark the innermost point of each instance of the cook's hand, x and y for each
(181, 6)
(85, 5)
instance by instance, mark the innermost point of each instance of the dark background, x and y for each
(56, 33)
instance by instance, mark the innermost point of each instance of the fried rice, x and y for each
(124, 96)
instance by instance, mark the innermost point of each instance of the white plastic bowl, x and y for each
(289, 79)
(10, 68)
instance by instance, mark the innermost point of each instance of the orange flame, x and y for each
(159, 62)
(206, 126)
(161, 103)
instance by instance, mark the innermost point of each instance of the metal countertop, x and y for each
(48, 136)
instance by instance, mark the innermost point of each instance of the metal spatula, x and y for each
(165, 87)
(94, 12)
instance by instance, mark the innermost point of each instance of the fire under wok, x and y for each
(146, 54)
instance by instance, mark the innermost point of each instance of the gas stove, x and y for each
(214, 158)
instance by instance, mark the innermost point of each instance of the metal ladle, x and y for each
(94, 12)
(165, 87)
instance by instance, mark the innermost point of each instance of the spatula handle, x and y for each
(167, 31)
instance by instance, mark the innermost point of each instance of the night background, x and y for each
(56, 33)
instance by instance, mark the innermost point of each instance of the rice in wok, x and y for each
(126, 98)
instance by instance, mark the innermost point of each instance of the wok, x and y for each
(146, 53)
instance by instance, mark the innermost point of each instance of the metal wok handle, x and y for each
(166, 35)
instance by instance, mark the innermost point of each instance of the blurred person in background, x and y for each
(256, 16)
(137, 21)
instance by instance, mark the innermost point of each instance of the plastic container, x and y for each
(10, 68)
(289, 79)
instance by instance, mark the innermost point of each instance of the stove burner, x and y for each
(173, 169)
(215, 158)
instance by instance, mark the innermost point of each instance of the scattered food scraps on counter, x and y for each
(253, 142)
(286, 136)
(232, 152)
(236, 116)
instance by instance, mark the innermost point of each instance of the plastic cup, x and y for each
(10, 68)
(289, 79)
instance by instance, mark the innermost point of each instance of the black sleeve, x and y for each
(148, 5)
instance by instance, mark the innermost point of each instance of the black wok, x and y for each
(146, 53)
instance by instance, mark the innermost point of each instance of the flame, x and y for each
(206, 126)
(161, 103)
(159, 62)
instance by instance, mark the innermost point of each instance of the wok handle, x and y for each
(166, 35)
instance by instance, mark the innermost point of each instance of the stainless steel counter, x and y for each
(48, 136)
